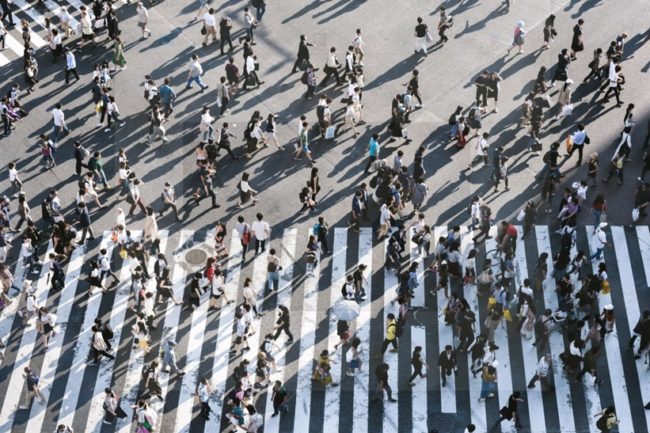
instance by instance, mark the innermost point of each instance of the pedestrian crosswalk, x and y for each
(35, 15)
(74, 388)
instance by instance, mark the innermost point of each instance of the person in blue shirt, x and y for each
(167, 96)
(373, 152)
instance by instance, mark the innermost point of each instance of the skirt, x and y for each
(244, 196)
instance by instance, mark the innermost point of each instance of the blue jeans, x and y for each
(55, 133)
(272, 279)
(596, 214)
(208, 133)
(597, 255)
(454, 130)
(249, 32)
(198, 80)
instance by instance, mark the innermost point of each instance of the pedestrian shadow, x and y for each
(634, 43)
(397, 71)
(500, 10)
(349, 6)
(585, 6)
(522, 63)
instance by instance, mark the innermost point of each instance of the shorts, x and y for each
(142, 25)
(305, 148)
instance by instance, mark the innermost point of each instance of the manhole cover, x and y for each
(196, 257)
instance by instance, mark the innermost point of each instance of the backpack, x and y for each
(320, 112)
(452, 119)
(303, 78)
(212, 149)
(547, 157)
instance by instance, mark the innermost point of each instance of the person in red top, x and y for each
(506, 237)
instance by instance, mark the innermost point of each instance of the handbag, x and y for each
(507, 315)
(428, 37)
(123, 253)
(204, 30)
(521, 216)
(246, 237)
(569, 141)
(605, 288)
(636, 213)
(329, 133)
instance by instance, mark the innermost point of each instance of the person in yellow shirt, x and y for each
(391, 334)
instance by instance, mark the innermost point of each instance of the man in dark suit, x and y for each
(447, 363)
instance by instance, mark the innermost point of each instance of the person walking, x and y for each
(518, 38)
(136, 197)
(283, 324)
(549, 31)
(373, 152)
(607, 420)
(599, 241)
(209, 27)
(331, 68)
(302, 59)
(58, 118)
(577, 44)
(203, 393)
(544, 367)
(381, 374)
(70, 65)
(261, 230)
(225, 25)
(579, 138)
(111, 406)
(391, 334)
(118, 54)
(421, 36)
(509, 411)
(418, 364)
(447, 363)
(194, 74)
(280, 398)
(143, 20)
(32, 381)
(98, 346)
(84, 223)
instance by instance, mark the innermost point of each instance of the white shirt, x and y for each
(65, 16)
(600, 239)
(143, 15)
(56, 40)
(261, 230)
(243, 185)
(58, 117)
(104, 263)
(542, 367)
(13, 174)
(249, 294)
(206, 120)
(248, 16)
(250, 64)
(384, 217)
(331, 60)
(579, 137)
(209, 20)
(358, 42)
(204, 394)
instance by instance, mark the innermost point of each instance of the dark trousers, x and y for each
(224, 105)
(323, 243)
(380, 391)
(167, 206)
(97, 353)
(617, 93)
(72, 71)
(86, 230)
(205, 410)
(286, 330)
(385, 344)
(444, 372)
(371, 160)
(228, 149)
(328, 73)
(298, 62)
(224, 40)
(244, 248)
(103, 274)
(417, 371)
(258, 244)
(279, 406)
(546, 384)
(138, 202)
(579, 148)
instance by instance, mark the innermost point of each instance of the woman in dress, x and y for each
(45, 322)
(151, 229)
(245, 191)
(518, 39)
(220, 240)
(112, 409)
(118, 54)
(549, 31)
(152, 380)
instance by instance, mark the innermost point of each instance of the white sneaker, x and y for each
(107, 129)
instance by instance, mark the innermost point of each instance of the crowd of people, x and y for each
(394, 186)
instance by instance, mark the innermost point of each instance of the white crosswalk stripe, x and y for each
(25, 350)
(517, 362)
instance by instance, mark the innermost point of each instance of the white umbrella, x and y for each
(346, 310)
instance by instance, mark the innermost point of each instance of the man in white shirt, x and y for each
(251, 23)
(599, 241)
(195, 72)
(541, 373)
(331, 68)
(136, 198)
(143, 19)
(250, 73)
(105, 267)
(261, 230)
(70, 65)
(210, 25)
(385, 216)
(579, 140)
(59, 122)
(358, 44)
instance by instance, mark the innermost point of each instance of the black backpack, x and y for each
(212, 149)
(547, 157)
(303, 78)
